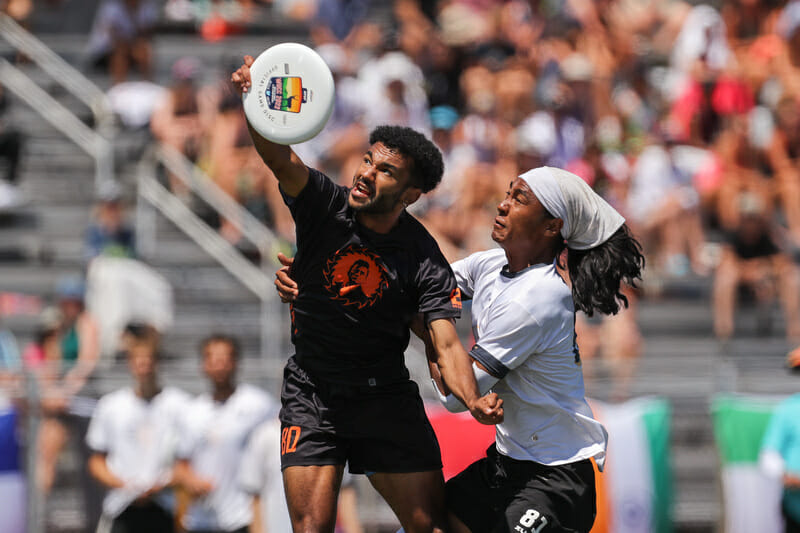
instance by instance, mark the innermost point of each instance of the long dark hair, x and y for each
(598, 274)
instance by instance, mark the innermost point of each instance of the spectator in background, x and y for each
(780, 454)
(345, 133)
(43, 359)
(232, 162)
(260, 476)
(10, 364)
(121, 37)
(108, 233)
(177, 119)
(753, 257)
(663, 207)
(616, 341)
(133, 436)
(393, 92)
(215, 433)
(63, 359)
(78, 335)
(19, 10)
(44, 349)
(783, 154)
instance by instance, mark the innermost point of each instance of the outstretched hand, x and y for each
(284, 284)
(488, 409)
(241, 76)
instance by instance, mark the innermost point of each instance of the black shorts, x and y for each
(374, 429)
(499, 494)
(148, 516)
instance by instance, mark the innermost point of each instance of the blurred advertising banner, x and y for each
(462, 439)
(634, 491)
(751, 499)
(12, 480)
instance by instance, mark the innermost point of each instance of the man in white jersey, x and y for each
(538, 475)
(260, 477)
(216, 429)
(133, 437)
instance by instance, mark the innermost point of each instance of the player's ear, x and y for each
(411, 195)
(553, 227)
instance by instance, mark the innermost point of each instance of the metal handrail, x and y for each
(201, 184)
(59, 117)
(75, 82)
(255, 279)
(208, 239)
(61, 71)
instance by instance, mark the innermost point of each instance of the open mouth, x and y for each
(498, 223)
(361, 190)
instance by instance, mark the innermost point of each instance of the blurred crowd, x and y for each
(685, 116)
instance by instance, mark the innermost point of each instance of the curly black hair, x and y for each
(598, 274)
(426, 159)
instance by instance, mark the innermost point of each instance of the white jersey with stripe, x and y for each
(524, 327)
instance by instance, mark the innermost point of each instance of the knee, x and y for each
(313, 523)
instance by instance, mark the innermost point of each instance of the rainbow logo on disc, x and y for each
(286, 94)
(291, 95)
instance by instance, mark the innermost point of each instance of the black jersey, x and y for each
(358, 289)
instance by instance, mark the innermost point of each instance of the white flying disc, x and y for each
(291, 95)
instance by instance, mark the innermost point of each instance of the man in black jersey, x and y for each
(366, 267)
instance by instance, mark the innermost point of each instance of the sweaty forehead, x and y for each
(383, 152)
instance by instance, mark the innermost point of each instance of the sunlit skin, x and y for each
(141, 362)
(142, 365)
(524, 229)
(382, 183)
(219, 365)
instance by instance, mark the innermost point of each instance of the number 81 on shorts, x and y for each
(531, 522)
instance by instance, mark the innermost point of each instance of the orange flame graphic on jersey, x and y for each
(354, 276)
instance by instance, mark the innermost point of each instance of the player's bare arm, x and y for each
(291, 172)
(185, 477)
(455, 366)
(98, 468)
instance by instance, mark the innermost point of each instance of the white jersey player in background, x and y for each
(217, 427)
(538, 475)
(133, 436)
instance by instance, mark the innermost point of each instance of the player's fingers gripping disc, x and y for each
(291, 95)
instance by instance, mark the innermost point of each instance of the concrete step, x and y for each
(197, 283)
(70, 191)
(37, 280)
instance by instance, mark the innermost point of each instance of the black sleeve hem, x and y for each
(495, 367)
(442, 313)
(291, 200)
